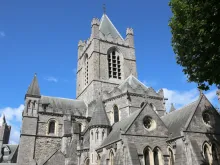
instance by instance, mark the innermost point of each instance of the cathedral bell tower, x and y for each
(105, 60)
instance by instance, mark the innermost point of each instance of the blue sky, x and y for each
(42, 36)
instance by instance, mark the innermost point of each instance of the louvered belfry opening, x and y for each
(114, 65)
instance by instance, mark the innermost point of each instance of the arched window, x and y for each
(86, 70)
(207, 154)
(114, 64)
(157, 156)
(116, 113)
(98, 160)
(87, 162)
(111, 158)
(171, 160)
(51, 129)
(147, 156)
(215, 156)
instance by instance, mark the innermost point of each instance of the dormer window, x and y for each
(114, 64)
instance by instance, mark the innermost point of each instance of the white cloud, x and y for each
(51, 79)
(13, 117)
(2, 34)
(13, 113)
(181, 98)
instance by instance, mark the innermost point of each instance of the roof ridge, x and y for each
(61, 98)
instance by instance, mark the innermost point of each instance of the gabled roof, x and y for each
(132, 82)
(178, 119)
(33, 89)
(99, 116)
(107, 27)
(64, 105)
(122, 125)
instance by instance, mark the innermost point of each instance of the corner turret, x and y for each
(130, 37)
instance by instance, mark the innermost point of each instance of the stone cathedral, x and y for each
(115, 119)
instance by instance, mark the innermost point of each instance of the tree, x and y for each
(195, 28)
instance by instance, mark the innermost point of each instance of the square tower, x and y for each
(105, 60)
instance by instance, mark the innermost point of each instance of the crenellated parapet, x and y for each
(95, 21)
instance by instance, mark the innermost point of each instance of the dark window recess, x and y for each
(52, 127)
(116, 114)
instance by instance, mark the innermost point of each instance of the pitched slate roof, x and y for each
(33, 89)
(178, 119)
(107, 27)
(122, 125)
(99, 116)
(64, 105)
(132, 82)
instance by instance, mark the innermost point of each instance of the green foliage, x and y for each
(195, 27)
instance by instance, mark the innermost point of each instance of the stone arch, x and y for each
(171, 154)
(87, 161)
(206, 150)
(111, 157)
(148, 156)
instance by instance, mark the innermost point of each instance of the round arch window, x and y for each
(206, 118)
(149, 123)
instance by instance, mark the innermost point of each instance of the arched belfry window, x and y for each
(86, 70)
(114, 64)
(52, 125)
(116, 113)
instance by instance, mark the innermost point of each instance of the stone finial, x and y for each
(172, 108)
(95, 21)
(80, 43)
(161, 92)
(129, 31)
